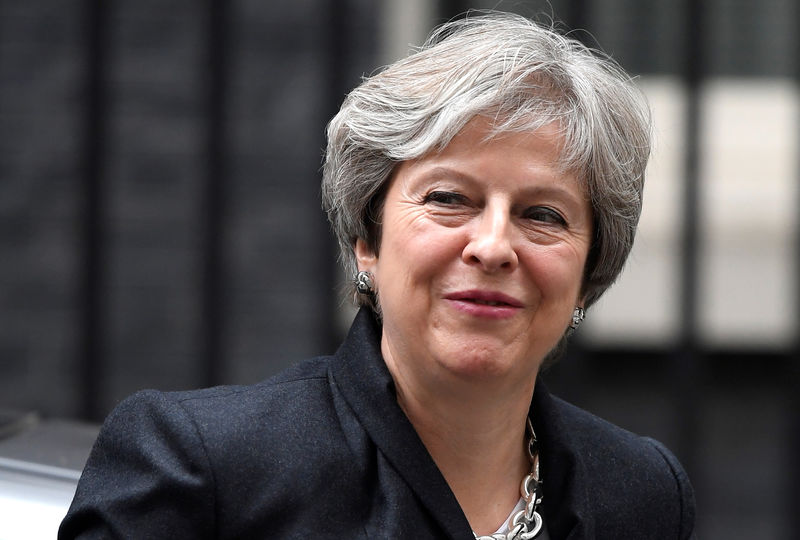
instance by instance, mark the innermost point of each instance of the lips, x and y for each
(488, 303)
(485, 298)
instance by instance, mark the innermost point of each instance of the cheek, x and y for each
(423, 247)
(557, 272)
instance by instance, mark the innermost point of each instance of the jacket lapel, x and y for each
(366, 384)
(363, 379)
(566, 508)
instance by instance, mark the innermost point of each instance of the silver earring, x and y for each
(577, 318)
(364, 283)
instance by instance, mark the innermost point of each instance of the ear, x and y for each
(365, 258)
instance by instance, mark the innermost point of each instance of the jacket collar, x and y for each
(367, 385)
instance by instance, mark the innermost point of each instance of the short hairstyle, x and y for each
(523, 76)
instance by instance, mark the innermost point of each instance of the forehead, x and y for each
(480, 152)
(532, 126)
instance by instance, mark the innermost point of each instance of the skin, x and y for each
(482, 254)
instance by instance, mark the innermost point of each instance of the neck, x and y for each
(476, 435)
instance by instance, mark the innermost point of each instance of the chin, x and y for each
(482, 364)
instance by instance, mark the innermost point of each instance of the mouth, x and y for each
(485, 298)
(485, 302)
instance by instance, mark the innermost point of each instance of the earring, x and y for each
(577, 318)
(364, 284)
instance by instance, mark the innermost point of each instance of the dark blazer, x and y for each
(324, 451)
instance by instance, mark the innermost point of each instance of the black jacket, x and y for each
(324, 451)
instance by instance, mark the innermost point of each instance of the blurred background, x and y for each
(160, 223)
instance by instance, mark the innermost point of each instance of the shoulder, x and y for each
(233, 414)
(634, 479)
(203, 456)
(220, 412)
(312, 373)
(600, 440)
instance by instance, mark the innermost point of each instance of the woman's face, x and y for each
(481, 257)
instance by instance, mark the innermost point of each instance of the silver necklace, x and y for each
(527, 523)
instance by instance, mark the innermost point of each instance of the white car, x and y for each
(40, 463)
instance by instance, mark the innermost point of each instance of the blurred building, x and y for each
(160, 222)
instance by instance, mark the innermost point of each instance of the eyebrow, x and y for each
(442, 171)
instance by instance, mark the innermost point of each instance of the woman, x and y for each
(485, 191)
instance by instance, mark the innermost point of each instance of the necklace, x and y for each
(527, 523)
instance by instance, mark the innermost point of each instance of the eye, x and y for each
(544, 215)
(445, 198)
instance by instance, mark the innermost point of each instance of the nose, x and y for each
(490, 244)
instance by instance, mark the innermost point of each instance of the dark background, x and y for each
(160, 222)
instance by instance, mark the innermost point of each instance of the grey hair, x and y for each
(523, 76)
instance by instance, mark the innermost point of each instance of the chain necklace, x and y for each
(526, 523)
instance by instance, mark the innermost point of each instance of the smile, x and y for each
(485, 298)
(484, 304)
